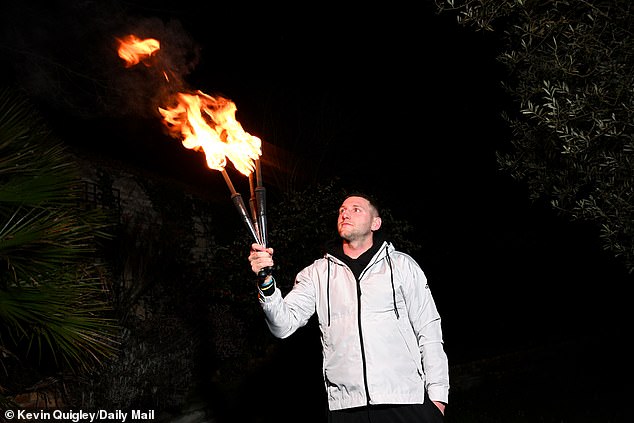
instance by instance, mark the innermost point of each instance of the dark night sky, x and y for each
(398, 99)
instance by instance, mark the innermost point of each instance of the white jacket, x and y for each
(381, 336)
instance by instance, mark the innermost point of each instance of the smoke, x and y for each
(64, 55)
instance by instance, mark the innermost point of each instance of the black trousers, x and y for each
(389, 413)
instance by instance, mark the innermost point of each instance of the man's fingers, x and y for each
(260, 248)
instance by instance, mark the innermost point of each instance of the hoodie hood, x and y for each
(334, 247)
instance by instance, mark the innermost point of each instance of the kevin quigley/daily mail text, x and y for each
(85, 416)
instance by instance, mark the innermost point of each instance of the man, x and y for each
(383, 355)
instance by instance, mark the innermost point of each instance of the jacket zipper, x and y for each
(363, 361)
(365, 371)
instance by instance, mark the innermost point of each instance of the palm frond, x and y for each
(63, 320)
(53, 306)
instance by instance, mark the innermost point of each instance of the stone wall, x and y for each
(162, 253)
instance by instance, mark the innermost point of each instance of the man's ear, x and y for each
(376, 224)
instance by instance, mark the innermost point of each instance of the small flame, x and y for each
(133, 49)
(208, 124)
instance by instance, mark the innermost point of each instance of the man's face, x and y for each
(357, 219)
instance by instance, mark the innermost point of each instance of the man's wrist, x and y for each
(267, 285)
(267, 281)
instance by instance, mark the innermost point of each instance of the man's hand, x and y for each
(260, 258)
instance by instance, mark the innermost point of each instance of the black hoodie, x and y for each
(335, 247)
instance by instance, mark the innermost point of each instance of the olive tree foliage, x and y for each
(571, 75)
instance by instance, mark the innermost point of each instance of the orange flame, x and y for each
(204, 123)
(208, 124)
(133, 49)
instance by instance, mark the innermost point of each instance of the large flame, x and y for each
(133, 50)
(202, 122)
(208, 124)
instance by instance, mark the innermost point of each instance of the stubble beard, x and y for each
(349, 234)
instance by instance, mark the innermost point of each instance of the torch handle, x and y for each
(260, 201)
(242, 210)
(262, 274)
(260, 204)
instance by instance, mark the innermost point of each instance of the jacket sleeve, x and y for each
(426, 323)
(284, 315)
